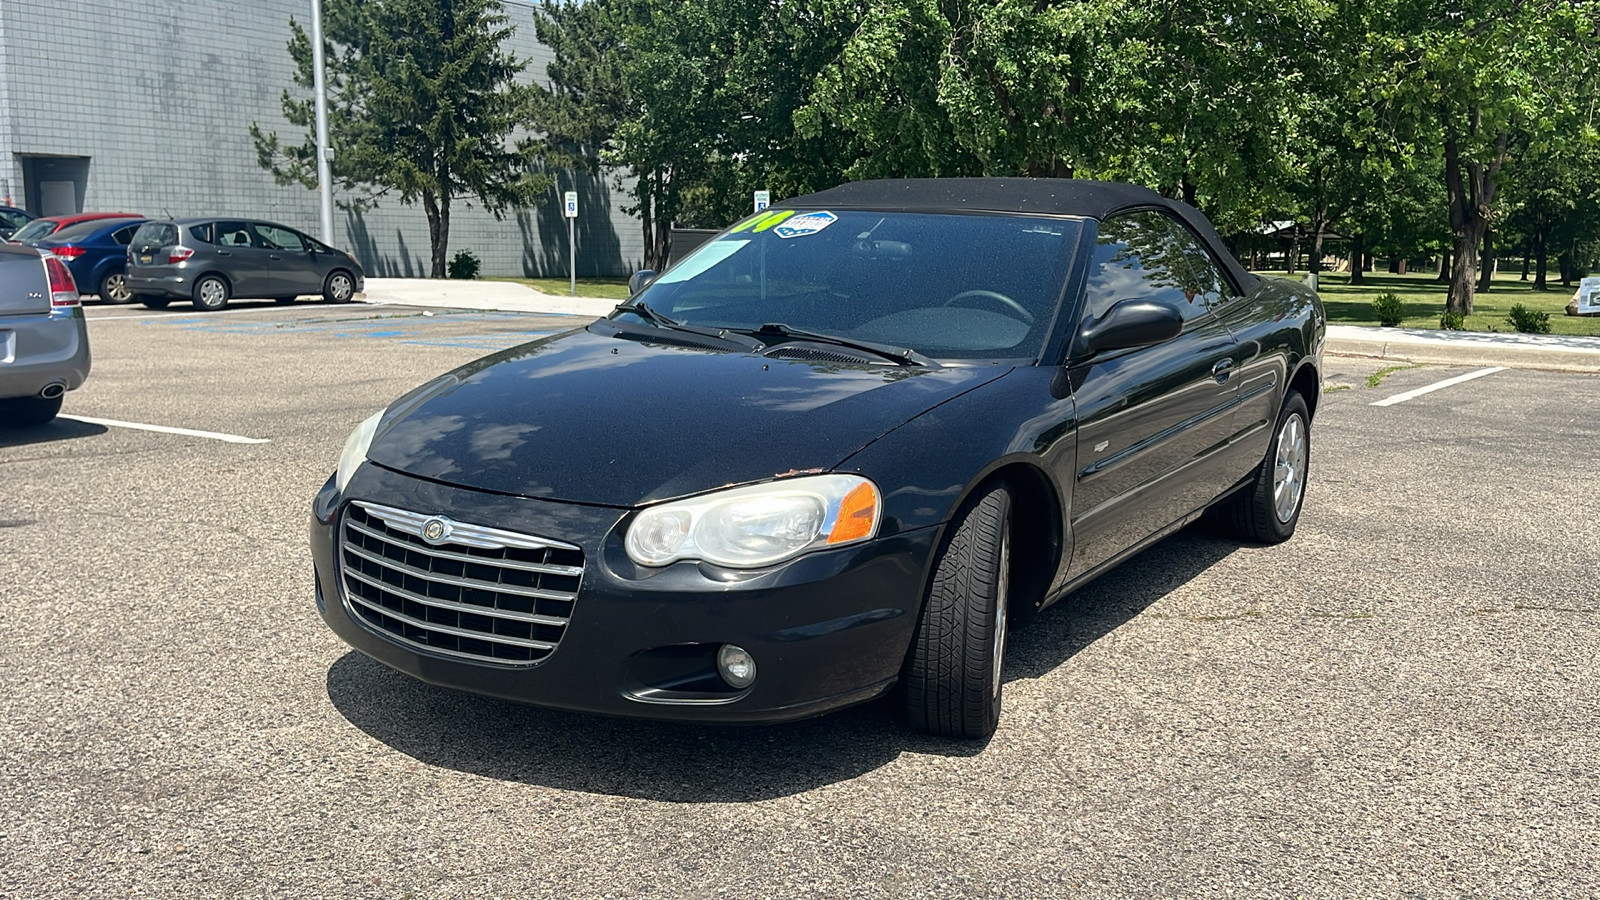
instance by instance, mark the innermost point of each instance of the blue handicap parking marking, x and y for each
(414, 326)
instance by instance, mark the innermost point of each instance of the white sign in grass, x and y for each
(1589, 296)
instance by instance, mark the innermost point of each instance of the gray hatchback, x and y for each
(211, 261)
(44, 343)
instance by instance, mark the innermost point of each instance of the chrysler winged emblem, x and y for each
(436, 530)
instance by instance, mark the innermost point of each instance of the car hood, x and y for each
(588, 418)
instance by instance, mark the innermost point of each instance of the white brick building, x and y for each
(145, 106)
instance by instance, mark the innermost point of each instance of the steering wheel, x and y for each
(997, 297)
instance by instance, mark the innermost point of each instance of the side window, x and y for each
(275, 238)
(1139, 256)
(201, 232)
(1206, 275)
(233, 234)
(124, 236)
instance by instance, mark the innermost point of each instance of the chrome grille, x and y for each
(472, 591)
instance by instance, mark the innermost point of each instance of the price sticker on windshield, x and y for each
(810, 223)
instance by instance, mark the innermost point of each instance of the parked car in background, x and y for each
(97, 253)
(44, 226)
(841, 447)
(44, 342)
(11, 219)
(213, 260)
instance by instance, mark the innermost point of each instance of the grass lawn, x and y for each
(1423, 299)
(604, 288)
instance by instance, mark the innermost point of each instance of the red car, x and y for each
(48, 225)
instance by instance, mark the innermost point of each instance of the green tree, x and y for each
(424, 104)
(690, 104)
(1479, 79)
(1195, 99)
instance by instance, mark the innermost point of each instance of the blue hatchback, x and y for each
(97, 253)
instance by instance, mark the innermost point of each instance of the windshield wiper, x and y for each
(643, 311)
(658, 320)
(777, 333)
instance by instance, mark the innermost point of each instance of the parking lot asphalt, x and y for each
(1400, 701)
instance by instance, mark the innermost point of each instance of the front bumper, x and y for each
(827, 630)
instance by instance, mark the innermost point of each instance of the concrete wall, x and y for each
(159, 96)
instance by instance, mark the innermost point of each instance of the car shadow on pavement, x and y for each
(1098, 608)
(61, 429)
(696, 763)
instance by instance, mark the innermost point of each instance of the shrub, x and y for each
(464, 265)
(1529, 321)
(1388, 310)
(1452, 321)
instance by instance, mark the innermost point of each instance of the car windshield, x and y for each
(34, 230)
(956, 286)
(13, 218)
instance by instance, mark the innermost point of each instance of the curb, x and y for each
(1464, 352)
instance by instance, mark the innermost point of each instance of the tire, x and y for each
(114, 289)
(210, 293)
(28, 410)
(952, 675)
(339, 287)
(152, 301)
(1269, 509)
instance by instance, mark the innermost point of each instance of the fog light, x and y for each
(736, 666)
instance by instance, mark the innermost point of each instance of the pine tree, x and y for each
(424, 104)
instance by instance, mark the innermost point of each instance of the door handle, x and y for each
(1222, 370)
(224, 252)
(274, 256)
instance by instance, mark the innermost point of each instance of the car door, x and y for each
(241, 257)
(294, 267)
(1153, 421)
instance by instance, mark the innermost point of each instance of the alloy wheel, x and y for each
(1289, 472)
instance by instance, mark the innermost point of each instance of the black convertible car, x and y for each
(838, 449)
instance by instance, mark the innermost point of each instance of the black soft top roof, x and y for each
(1096, 200)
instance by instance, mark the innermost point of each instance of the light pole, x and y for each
(324, 152)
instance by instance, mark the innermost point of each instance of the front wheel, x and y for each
(339, 287)
(28, 410)
(211, 293)
(952, 677)
(1269, 509)
(114, 288)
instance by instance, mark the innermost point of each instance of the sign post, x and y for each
(572, 240)
(763, 200)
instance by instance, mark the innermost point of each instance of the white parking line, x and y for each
(1411, 395)
(167, 429)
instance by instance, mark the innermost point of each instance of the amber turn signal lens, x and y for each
(857, 515)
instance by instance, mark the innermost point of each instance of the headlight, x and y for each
(355, 450)
(757, 525)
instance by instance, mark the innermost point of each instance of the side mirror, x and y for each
(640, 280)
(1133, 323)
